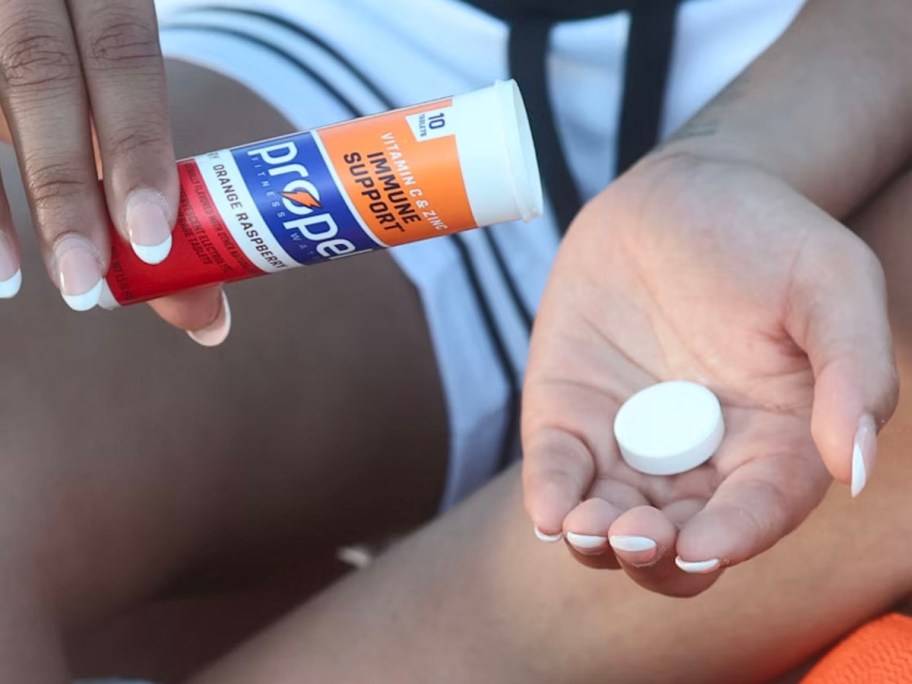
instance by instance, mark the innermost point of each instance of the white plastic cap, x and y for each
(497, 155)
(669, 428)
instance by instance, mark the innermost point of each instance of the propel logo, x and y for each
(312, 226)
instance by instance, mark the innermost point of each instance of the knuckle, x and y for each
(52, 181)
(134, 142)
(122, 41)
(34, 53)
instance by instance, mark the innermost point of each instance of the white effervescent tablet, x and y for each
(669, 428)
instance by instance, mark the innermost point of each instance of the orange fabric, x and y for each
(879, 652)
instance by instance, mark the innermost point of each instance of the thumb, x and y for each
(204, 313)
(839, 317)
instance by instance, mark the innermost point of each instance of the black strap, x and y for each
(649, 46)
(528, 58)
(555, 10)
(649, 49)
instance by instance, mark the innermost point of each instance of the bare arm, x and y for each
(826, 108)
(475, 598)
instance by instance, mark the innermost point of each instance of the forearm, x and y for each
(827, 108)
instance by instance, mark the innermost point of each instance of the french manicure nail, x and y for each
(216, 332)
(78, 272)
(697, 567)
(585, 542)
(10, 273)
(10, 287)
(864, 453)
(631, 544)
(146, 218)
(550, 538)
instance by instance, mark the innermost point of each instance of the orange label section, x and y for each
(401, 171)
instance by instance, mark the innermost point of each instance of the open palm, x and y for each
(722, 275)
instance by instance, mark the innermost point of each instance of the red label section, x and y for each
(203, 252)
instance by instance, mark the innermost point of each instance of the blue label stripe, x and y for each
(267, 179)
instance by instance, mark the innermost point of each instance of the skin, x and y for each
(115, 486)
(135, 464)
(475, 597)
(68, 70)
(715, 260)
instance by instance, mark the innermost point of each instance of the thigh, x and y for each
(476, 598)
(128, 454)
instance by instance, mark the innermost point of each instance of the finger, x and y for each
(122, 60)
(205, 314)
(557, 470)
(839, 317)
(643, 539)
(586, 532)
(10, 258)
(46, 105)
(586, 526)
(753, 508)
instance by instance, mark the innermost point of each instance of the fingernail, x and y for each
(864, 453)
(697, 567)
(10, 274)
(78, 273)
(585, 542)
(9, 288)
(630, 544)
(146, 219)
(550, 538)
(216, 332)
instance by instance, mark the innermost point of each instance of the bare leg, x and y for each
(321, 422)
(170, 637)
(475, 598)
